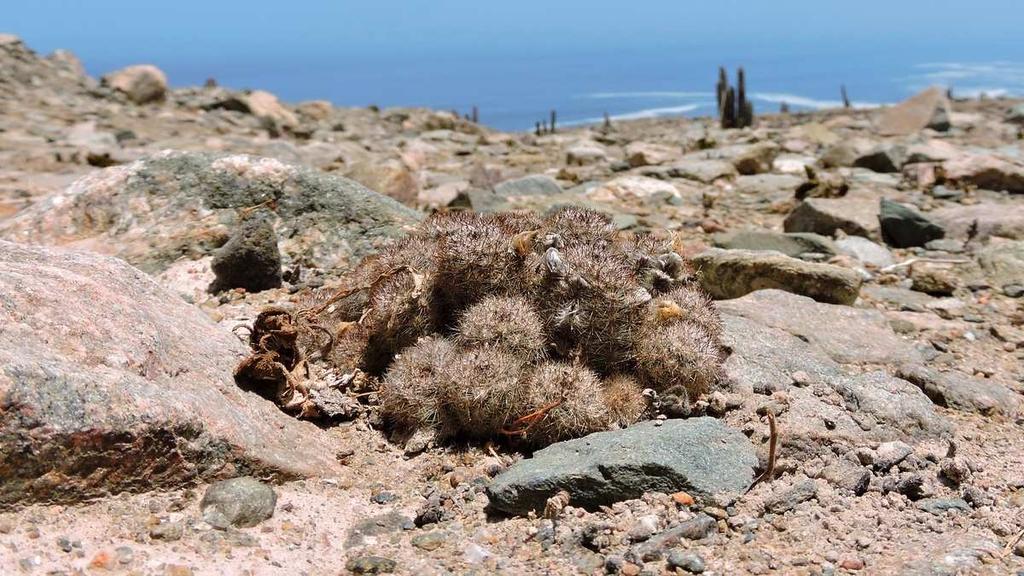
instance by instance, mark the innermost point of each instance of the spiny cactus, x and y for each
(507, 326)
(734, 110)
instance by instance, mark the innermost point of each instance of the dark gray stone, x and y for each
(791, 497)
(846, 334)
(793, 244)
(890, 454)
(688, 561)
(371, 565)
(533, 185)
(904, 227)
(701, 456)
(856, 215)
(696, 528)
(846, 475)
(961, 392)
(866, 251)
(941, 192)
(885, 158)
(249, 260)
(939, 506)
(240, 502)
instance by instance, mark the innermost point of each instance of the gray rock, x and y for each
(701, 170)
(900, 298)
(951, 245)
(793, 244)
(986, 171)
(240, 502)
(783, 501)
(249, 260)
(846, 475)
(533, 185)
(687, 561)
(985, 220)
(746, 158)
(885, 158)
(142, 83)
(855, 215)
(1015, 115)
(845, 152)
(961, 392)
(965, 555)
(943, 193)
(145, 211)
(904, 227)
(699, 455)
(768, 185)
(371, 565)
(1003, 263)
(696, 528)
(866, 251)
(773, 335)
(845, 334)
(166, 531)
(92, 344)
(939, 506)
(373, 528)
(889, 454)
(733, 273)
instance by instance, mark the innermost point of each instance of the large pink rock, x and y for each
(927, 109)
(142, 83)
(109, 383)
(987, 172)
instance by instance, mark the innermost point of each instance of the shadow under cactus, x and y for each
(500, 326)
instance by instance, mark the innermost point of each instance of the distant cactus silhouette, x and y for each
(734, 110)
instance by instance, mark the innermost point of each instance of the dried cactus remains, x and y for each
(500, 326)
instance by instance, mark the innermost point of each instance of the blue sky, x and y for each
(103, 30)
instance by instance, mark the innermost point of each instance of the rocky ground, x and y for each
(868, 267)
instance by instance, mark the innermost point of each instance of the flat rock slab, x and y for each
(819, 402)
(793, 244)
(926, 109)
(109, 383)
(846, 334)
(856, 214)
(702, 456)
(987, 219)
(959, 391)
(186, 204)
(734, 273)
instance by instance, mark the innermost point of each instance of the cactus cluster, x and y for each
(734, 110)
(509, 325)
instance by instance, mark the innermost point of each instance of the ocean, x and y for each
(512, 93)
(515, 62)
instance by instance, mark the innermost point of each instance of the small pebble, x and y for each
(688, 561)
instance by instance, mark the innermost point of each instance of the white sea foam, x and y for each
(805, 102)
(971, 79)
(644, 113)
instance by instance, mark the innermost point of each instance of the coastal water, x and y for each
(518, 62)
